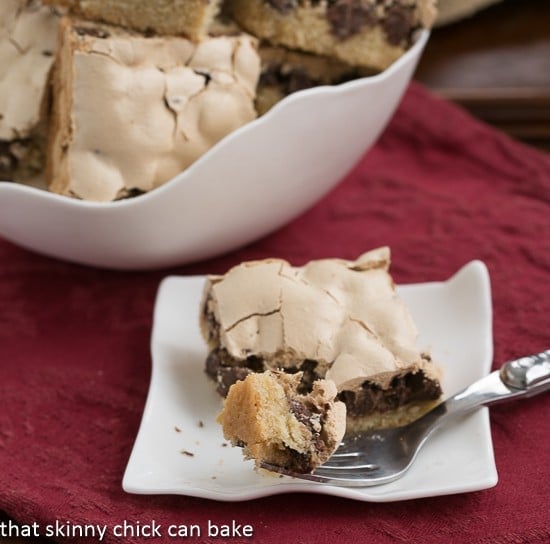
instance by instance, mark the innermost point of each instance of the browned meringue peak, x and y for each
(344, 314)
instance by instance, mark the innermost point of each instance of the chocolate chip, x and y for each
(301, 412)
(398, 24)
(282, 6)
(298, 81)
(8, 160)
(348, 17)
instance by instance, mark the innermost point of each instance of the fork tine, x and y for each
(329, 476)
(346, 455)
(345, 461)
(343, 466)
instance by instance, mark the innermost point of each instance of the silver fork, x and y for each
(382, 456)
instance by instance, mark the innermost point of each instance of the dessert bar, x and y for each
(330, 319)
(131, 112)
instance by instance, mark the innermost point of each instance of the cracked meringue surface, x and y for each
(345, 315)
(132, 112)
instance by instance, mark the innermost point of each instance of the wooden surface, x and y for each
(496, 64)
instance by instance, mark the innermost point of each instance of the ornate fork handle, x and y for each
(531, 373)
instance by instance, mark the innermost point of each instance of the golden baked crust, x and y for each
(368, 33)
(274, 423)
(189, 18)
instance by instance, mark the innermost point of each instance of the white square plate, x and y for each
(180, 447)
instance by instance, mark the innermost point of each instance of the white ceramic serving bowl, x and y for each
(252, 182)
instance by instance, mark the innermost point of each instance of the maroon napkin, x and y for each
(440, 189)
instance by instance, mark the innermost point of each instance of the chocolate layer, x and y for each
(20, 159)
(404, 389)
(8, 161)
(225, 370)
(367, 399)
(312, 419)
(291, 79)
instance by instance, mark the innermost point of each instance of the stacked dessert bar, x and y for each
(338, 327)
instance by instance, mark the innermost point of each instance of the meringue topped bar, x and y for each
(130, 112)
(332, 319)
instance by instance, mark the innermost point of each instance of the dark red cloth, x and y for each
(440, 189)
